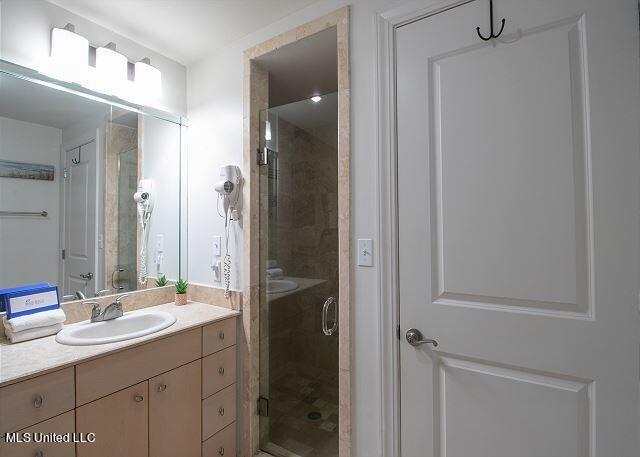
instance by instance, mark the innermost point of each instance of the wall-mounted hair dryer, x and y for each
(144, 202)
(228, 188)
(229, 191)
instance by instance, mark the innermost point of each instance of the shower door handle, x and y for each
(325, 317)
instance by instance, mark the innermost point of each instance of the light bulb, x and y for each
(111, 69)
(316, 98)
(69, 55)
(148, 81)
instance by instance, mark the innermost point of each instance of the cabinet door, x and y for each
(119, 422)
(64, 423)
(175, 412)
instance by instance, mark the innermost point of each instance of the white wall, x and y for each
(25, 39)
(29, 246)
(161, 163)
(215, 138)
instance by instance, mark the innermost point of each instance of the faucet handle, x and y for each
(121, 297)
(95, 311)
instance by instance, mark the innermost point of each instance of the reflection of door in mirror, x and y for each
(79, 260)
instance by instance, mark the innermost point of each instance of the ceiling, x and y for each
(183, 30)
(303, 68)
(318, 119)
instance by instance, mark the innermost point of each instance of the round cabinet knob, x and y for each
(221, 450)
(221, 335)
(138, 398)
(221, 371)
(221, 411)
(162, 387)
(37, 401)
(39, 454)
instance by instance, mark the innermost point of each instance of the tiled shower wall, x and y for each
(303, 234)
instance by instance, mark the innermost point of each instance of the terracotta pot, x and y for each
(181, 299)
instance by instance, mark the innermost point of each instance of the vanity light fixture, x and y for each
(148, 80)
(69, 54)
(111, 69)
(316, 99)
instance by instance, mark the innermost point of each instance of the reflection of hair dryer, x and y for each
(144, 202)
(228, 189)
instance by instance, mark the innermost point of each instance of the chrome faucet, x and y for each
(112, 311)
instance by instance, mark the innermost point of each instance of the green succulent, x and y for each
(181, 286)
(161, 281)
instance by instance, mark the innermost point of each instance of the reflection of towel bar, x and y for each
(24, 213)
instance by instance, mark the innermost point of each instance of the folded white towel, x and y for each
(36, 320)
(275, 273)
(32, 333)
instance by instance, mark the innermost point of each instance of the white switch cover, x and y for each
(365, 252)
(160, 243)
(217, 246)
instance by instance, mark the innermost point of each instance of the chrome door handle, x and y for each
(415, 338)
(325, 317)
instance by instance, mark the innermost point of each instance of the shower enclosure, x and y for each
(299, 278)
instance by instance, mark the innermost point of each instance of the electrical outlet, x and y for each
(217, 267)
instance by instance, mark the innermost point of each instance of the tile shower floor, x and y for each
(303, 416)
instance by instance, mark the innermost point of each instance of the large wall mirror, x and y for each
(89, 190)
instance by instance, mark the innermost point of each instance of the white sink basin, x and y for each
(132, 325)
(278, 286)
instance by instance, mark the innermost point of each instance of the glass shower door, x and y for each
(299, 279)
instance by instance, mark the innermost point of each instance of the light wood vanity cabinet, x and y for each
(119, 421)
(175, 396)
(64, 423)
(175, 412)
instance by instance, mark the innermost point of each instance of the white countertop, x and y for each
(31, 358)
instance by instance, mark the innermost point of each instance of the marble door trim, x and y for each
(255, 94)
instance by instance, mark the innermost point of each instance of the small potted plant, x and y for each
(181, 292)
(161, 281)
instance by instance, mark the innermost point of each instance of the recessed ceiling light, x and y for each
(316, 98)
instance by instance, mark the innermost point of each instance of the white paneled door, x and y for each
(518, 207)
(80, 221)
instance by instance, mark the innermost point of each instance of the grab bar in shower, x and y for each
(24, 213)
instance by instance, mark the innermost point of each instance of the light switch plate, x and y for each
(365, 252)
(160, 243)
(217, 246)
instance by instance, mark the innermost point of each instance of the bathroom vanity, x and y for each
(172, 393)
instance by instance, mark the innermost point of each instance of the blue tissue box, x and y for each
(31, 301)
(3, 292)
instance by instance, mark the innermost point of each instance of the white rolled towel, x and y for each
(275, 273)
(32, 333)
(36, 320)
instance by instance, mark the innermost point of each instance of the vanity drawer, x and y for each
(65, 423)
(35, 400)
(218, 411)
(221, 444)
(100, 377)
(218, 336)
(218, 371)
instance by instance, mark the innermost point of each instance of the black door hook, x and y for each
(491, 35)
